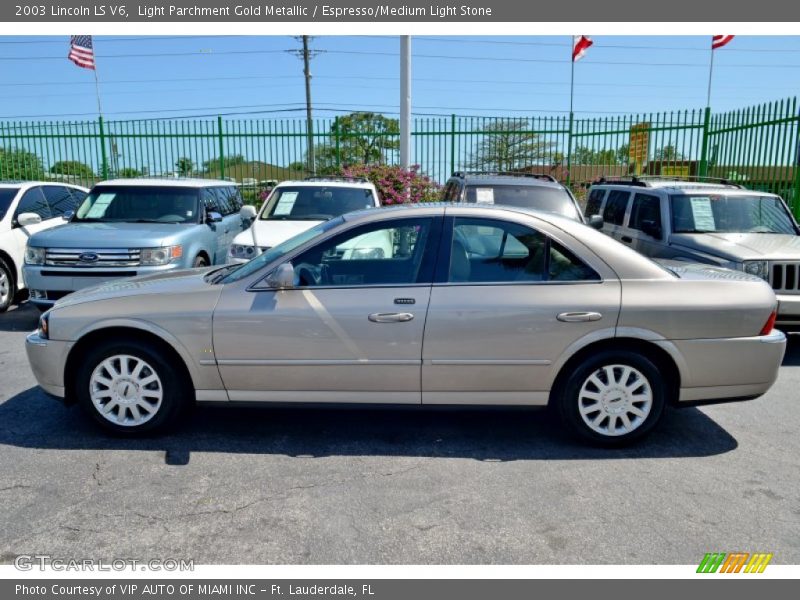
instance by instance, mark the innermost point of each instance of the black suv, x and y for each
(528, 190)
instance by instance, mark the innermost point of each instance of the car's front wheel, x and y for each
(130, 387)
(613, 398)
(7, 288)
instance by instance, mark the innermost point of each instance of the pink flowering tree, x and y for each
(397, 185)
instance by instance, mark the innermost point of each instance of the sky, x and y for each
(172, 76)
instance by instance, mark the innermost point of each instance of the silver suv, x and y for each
(713, 223)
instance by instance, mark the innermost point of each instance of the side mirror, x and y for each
(67, 216)
(25, 219)
(282, 278)
(248, 212)
(651, 229)
(595, 222)
(213, 217)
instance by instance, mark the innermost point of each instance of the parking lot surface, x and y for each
(274, 486)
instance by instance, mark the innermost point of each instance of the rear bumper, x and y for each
(48, 359)
(719, 370)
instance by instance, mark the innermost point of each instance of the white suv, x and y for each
(26, 208)
(294, 206)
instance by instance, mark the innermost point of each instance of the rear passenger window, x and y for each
(59, 199)
(645, 210)
(616, 205)
(594, 202)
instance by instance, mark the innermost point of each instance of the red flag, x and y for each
(718, 41)
(580, 43)
(81, 51)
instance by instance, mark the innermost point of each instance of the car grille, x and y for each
(84, 257)
(785, 277)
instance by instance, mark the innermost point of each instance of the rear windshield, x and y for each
(735, 213)
(555, 200)
(315, 203)
(6, 197)
(140, 204)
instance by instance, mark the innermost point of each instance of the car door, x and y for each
(614, 213)
(645, 225)
(217, 237)
(350, 330)
(507, 302)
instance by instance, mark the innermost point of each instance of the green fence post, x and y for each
(221, 148)
(103, 157)
(336, 142)
(452, 143)
(796, 169)
(703, 167)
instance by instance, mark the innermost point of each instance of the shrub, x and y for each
(397, 185)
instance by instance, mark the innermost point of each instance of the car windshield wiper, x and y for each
(219, 274)
(150, 221)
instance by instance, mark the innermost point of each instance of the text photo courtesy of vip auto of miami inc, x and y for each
(376, 299)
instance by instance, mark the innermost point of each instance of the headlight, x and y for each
(759, 268)
(34, 256)
(243, 251)
(44, 326)
(154, 257)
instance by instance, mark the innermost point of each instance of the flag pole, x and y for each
(710, 75)
(571, 116)
(97, 88)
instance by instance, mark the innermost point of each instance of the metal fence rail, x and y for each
(757, 146)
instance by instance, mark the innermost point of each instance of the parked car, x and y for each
(25, 209)
(713, 223)
(526, 190)
(294, 206)
(543, 311)
(129, 227)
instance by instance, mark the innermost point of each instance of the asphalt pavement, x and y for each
(281, 486)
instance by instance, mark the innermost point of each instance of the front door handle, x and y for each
(627, 239)
(390, 317)
(579, 317)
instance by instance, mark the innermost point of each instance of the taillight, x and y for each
(770, 323)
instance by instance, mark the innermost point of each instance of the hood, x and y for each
(107, 235)
(742, 246)
(272, 233)
(184, 281)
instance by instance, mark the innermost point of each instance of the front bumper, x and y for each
(729, 368)
(48, 359)
(789, 311)
(49, 284)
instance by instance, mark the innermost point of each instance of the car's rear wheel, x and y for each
(7, 287)
(613, 398)
(130, 387)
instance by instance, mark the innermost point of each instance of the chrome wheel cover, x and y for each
(5, 287)
(615, 400)
(126, 390)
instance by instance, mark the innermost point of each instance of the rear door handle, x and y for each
(579, 317)
(390, 317)
(626, 239)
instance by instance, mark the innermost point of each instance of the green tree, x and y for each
(587, 156)
(184, 166)
(230, 161)
(16, 163)
(507, 145)
(624, 154)
(127, 172)
(667, 153)
(72, 167)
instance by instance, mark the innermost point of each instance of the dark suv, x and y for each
(528, 190)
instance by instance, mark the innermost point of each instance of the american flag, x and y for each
(81, 51)
(718, 41)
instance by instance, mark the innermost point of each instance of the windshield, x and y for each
(722, 213)
(315, 203)
(280, 250)
(537, 197)
(6, 196)
(140, 204)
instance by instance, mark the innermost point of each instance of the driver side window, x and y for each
(387, 253)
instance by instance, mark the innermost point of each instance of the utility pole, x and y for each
(405, 101)
(307, 54)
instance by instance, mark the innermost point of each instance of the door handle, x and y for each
(626, 239)
(390, 317)
(579, 317)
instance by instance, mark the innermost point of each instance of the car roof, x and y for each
(326, 183)
(27, 184)
(684, 186)
(505, 179)
(187, 182)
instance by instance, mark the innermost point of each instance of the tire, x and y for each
(144, 396)
(200, 261)
(8, 289)
(613, 398)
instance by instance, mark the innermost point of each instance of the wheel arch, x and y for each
(11, 264)
(660, 352)
(126, 331)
